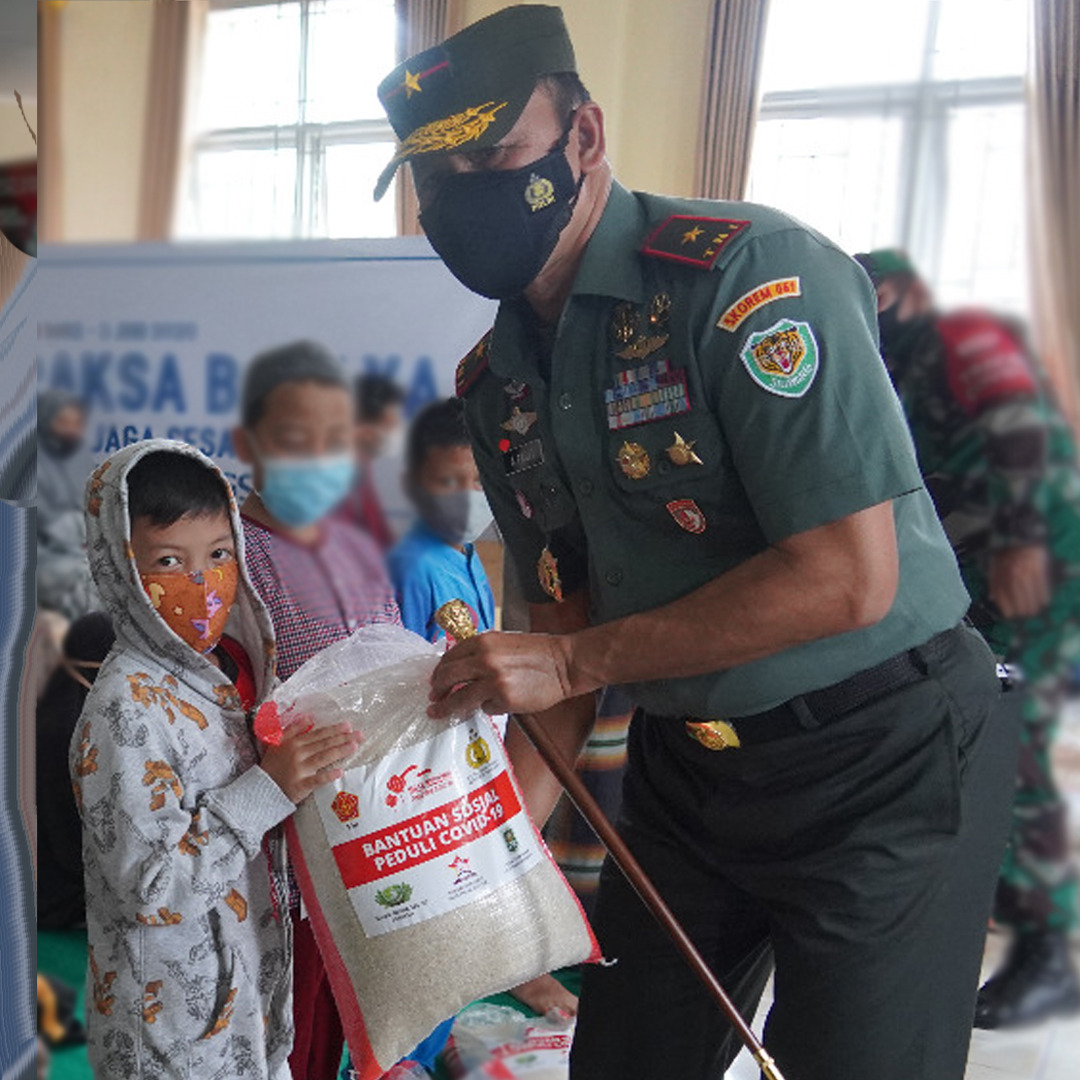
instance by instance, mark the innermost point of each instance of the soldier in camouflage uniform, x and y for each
(1000, 462)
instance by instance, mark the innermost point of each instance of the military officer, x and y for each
(1000, 460)
(686, 432)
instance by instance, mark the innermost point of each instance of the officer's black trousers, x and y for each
(859, 857)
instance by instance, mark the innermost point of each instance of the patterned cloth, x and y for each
(601, 766)
(189, 960)
(317, 595)
(1000, 461)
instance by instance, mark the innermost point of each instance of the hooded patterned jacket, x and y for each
(190, 962)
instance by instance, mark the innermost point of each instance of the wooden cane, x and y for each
(456, 620)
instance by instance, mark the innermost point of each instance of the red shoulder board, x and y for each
(696, 241)
(984, 362)
(472, 366)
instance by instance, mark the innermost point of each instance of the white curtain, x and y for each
(1054, 198)
(729, 111)
(174, 48)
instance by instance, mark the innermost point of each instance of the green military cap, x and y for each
(468, 92)
(884, 262)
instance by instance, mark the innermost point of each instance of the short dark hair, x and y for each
(296, 362)
(375, 394)
(440, 424)
(164, 486)
(566, 90)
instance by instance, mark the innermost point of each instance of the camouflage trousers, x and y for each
(1037, 886)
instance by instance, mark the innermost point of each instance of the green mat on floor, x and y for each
(62, 954)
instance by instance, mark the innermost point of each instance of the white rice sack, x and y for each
(426, 882)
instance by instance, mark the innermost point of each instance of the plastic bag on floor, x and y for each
(426, 882)
(496, 1042)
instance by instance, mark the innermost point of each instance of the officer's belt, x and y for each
(817, 708)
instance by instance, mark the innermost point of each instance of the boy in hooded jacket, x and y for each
(189, 950)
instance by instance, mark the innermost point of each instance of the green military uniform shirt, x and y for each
(713, 387)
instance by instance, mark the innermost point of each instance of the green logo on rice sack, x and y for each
(393, 895)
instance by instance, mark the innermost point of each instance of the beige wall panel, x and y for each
(105, 48)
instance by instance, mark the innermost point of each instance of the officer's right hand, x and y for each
(502, 673)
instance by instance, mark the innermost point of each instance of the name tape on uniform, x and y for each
(749, 302)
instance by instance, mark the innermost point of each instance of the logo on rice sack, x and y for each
(477, 753)
(510, 840)
(346, 806)
(396, 784)
(393, 895)
(782, 359)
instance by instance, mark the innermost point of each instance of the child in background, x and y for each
(380, 435)
(320, 577)
(189, 958)
(436, 561)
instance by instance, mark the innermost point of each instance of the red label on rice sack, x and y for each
(426, 836)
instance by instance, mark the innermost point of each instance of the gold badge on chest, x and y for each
(634, 461)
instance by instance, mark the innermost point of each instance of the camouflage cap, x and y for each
(468, 92)
(884, 262)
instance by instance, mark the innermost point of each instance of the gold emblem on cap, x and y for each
(624, 322)
(539, 193)
(713, 734)
(412, 84)
(547, 570)
(681, 452)
(634, 461)
(519, 422)
(450, 132)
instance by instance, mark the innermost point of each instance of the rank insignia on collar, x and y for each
(519, 422)
(687, 514)
(472, 366)
(634, 461)
(681, 452)
(696, 241)
(547, 572)
(652, 391)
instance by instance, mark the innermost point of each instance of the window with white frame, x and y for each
(902, 124)
(288, 136)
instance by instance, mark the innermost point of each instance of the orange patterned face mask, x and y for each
(196, 605)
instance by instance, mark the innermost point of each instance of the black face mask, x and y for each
(495, 230)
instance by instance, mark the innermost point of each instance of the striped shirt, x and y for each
(317, 594)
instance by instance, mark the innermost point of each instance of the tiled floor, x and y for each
(1048, 1052)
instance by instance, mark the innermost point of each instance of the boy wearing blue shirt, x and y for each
(436, 561)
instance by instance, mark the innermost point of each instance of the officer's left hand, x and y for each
(502, 673)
